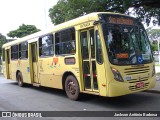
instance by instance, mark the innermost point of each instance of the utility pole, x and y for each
(158, 53)
(45, 13)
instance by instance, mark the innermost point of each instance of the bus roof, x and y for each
(76, 21)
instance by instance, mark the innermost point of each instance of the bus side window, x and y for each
(99, 55)
(65, 41)
(14, 52)
(23, 50)
(46, 45)
(57, 43)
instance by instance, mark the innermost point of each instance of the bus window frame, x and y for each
(15, 52)
(53, 45)
(96, 44)
(22, 51)
(57, 32)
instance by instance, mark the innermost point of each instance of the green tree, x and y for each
(153, 34)
(2, 41)
(23, 30)
(154, 47)
(143, 9)
(66, 10)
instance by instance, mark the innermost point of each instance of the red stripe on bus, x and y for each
(86, 74)
(94, 75)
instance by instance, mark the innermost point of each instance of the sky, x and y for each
(14, 13)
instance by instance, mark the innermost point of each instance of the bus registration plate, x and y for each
(140, 85)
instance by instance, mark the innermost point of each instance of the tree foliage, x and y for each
(23, 30)
(153, 34)
(66, 10)
(154, 47)
(2, 41)
(142, 9)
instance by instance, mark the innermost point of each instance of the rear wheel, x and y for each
(72, 88)
(20, 79)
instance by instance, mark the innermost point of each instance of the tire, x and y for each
(20, 79)
(72, 88)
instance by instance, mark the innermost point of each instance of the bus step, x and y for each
(36, 84)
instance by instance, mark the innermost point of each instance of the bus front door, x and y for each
(89, 60)
(8, 71)
(34, 59)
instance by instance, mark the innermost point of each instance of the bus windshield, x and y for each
(126, 44)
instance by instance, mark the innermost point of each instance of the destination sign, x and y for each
(122, 55)
(120, 20)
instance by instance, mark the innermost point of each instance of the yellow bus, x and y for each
(101, 53)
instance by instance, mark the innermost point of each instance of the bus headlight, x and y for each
(153, 71)
(117, 75)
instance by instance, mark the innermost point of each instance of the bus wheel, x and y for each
(20, 79)
(72, 88)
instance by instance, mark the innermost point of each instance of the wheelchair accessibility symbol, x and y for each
(140, 59)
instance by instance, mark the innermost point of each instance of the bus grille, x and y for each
(134, 88)
(140, 79)
(136, 70)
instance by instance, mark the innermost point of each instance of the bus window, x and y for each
(23, 50)
(99, 55)
(127, 45)
(14, 52)
(92, 42)
(46, 45)
(86, 72)
(95, 83)
(57, 44)
(84, 44)
(65, 42)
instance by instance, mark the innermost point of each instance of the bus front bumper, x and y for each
(123, 88)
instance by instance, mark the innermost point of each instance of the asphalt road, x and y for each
(29, 98)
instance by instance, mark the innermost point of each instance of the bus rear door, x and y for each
(8, 71)
(34, 62)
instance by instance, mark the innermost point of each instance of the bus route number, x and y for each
(84, 25)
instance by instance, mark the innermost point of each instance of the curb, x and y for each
(152, 91)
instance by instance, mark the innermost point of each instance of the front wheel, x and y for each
(72, 88)
(20, 79)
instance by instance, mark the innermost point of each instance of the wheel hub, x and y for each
(71, 87)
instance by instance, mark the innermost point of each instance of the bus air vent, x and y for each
(136, 70)
(138, 79)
